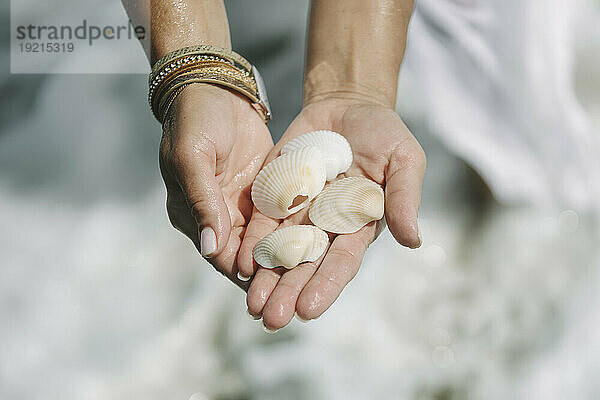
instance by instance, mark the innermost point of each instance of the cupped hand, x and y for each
(213, 145)
(384, 151)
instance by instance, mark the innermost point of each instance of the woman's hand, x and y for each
(214, 143)
(384, 151)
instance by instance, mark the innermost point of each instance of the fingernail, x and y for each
(299, 318)
(419, 242)
(242, 277)
(254, 317)
(268, 330)
(417, 229)
(208, 242)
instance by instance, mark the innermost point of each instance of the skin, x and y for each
(345, 91)
(214, 144)
(399, 164)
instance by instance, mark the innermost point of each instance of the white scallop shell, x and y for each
(290, 246)
(279, 183)
(335, 149)
(347, 205)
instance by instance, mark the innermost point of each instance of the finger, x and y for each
(404, 177)
(194, 168)
(260, 289)
(180, 215)
(258, 227)
(225, 262)
(340, 265)
(281, 305)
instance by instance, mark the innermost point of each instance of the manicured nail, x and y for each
(299, 318)
(208, 242)
(416, 228)
(242, 277)
(268, 330)
(254, 317)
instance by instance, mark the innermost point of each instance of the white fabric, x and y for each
(494, 80)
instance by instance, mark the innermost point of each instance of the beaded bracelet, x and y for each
(204, 64)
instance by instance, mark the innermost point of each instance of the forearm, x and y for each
(179, 23)
(355, 48)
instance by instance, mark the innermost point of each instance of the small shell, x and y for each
(347, 205)
(288, 183)
(335, 148)
(290, 246)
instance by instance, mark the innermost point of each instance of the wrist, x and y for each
(346, 94)
(198, 95)
(333, 109)
(200, 91)
(219, 100)
(353, 77)
(204, 64)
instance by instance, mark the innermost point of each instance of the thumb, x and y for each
(195, 173)
(404, 177)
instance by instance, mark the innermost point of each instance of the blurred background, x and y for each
(101, 299)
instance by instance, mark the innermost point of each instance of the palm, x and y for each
(366, 127)
(213, 135)
(380, 142)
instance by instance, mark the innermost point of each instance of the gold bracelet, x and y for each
(223, 75)
(206, 75)
(164, 73)
(204, 64)
(213, 66)
(220, 52)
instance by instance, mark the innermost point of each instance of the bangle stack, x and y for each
(204, 64)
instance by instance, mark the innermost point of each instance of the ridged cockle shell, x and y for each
(288, 183)
(290, 246)
(336, 150)
(347, 205)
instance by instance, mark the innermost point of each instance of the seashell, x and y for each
(347, 205)
(290, 246)
(335, 149)
(288, 183)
